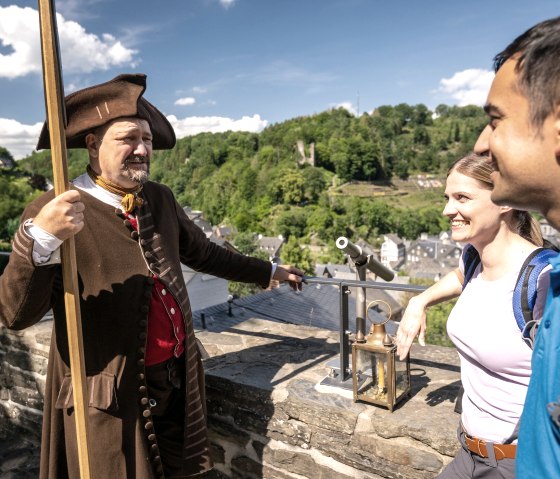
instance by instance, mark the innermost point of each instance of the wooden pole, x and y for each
(56, 118)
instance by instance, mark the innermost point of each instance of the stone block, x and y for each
(217, 453)
(290, 431)
(15, 377)
(228, 431)
(272, 473)
(246, 467)
(27, 362)
(399, 452)
(20, 419)
(343, 449)
(328, 411)
(416, 421)
(27, 397)
(44, 338)
(40, 353)
(300, 464)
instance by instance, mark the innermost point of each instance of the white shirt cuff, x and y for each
(46, 247)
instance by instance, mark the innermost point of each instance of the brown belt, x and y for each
(478, 447)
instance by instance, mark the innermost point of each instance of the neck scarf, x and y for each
(130, 198)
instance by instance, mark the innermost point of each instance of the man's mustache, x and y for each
(136, 159)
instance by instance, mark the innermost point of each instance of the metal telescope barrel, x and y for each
(356, 254)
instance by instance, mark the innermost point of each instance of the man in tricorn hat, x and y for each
(144, 375)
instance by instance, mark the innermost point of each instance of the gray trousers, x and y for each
(466, 465)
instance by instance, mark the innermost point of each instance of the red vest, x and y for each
(166, 327)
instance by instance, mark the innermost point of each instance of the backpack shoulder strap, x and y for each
(525, 292)
(471, 260)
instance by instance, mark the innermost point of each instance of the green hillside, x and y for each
(360, 185)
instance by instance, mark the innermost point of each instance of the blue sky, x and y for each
(214, 65)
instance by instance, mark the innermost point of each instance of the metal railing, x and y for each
(344, 291)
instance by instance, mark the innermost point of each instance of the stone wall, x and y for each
(23, 368)
(268, 413)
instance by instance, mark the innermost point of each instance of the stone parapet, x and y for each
(269, 416)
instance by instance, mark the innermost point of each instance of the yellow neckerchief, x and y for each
(130, 198)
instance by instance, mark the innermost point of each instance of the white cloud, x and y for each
(227, 3)
(19, 139)
(215, 124)
(346, 105)
(467, 87)
(81, 52)
(199, 89)
(189, 100)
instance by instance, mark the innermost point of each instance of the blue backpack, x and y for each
(525, 292)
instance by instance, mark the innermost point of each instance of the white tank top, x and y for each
(495, 361)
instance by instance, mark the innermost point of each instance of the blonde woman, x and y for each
(495, 361)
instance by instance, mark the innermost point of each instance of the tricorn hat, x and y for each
(97, 105)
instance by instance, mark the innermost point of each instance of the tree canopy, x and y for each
(259, 183)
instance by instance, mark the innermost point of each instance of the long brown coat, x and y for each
(114, 269)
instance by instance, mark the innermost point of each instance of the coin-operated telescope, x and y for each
(360, 259)
(363, 262)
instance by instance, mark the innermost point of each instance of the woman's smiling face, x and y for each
(474, 218)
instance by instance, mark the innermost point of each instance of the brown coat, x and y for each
(114, 264)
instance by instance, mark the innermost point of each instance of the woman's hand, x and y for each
(413, 323)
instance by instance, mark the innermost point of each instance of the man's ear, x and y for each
(557, 132)
(92, 145)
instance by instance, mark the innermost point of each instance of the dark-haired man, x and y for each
(523, 140)
(145, 380)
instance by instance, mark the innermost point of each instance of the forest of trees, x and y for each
(253, 181)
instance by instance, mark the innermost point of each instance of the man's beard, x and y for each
(137, 175)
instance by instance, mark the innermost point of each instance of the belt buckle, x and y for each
(479, 450)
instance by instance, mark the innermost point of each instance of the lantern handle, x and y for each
(379, 301)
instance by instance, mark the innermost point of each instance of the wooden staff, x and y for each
(56, 118)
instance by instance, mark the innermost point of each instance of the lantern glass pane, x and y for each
(371, 368)
(402, 378)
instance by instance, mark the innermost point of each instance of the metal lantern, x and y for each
(378, 375)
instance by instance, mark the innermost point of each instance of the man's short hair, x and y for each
(537, 52)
